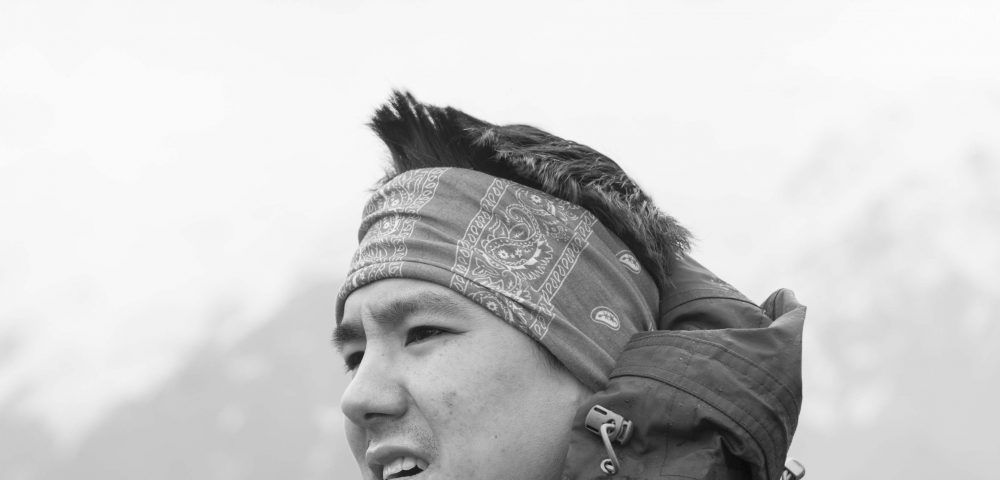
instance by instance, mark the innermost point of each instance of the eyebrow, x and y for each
(394, 310)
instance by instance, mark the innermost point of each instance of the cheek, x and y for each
(473, 389)
(461, 383)
(494, 405)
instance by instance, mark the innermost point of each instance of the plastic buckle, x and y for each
(599, 416)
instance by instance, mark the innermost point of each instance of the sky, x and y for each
(171, 172)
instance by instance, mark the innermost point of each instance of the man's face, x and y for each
(440, 382)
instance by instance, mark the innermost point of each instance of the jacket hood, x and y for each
(721, 403)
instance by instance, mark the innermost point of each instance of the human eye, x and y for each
(352, 361)
(421, 333)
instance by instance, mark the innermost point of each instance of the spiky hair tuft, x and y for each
(421, 136)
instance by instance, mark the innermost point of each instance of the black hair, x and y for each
(421, 136)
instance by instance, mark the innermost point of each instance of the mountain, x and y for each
(265, 407)
(899, 263)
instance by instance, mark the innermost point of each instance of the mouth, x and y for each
(403, 467)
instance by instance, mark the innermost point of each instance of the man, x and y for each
(519, 309)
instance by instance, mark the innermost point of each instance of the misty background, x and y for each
(181, 183)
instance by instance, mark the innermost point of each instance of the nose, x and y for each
(375, 393)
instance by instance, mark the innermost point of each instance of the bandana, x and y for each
(543, 265)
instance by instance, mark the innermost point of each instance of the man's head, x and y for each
(461, 275)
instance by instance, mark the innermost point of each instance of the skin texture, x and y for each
(442, 379)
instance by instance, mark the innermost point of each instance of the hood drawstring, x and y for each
(611, 465)
(611, 427)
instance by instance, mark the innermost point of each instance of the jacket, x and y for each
(714, 393)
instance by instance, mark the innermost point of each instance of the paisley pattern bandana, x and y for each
(545, 266)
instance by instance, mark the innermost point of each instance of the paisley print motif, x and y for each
(628, 259)
(523, 251)
(606, 317)
(388, 220)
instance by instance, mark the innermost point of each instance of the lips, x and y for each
(402, 467)
(394, 461)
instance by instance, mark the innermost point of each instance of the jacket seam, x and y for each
(686, 296)
(710, 297)
(641, 343)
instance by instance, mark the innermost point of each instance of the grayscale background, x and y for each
(180, 184)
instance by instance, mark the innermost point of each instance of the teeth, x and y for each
(402, 463)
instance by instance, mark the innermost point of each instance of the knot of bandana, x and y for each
(545, 266)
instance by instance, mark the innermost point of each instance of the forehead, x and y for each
(386, 302)
(401, 296)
